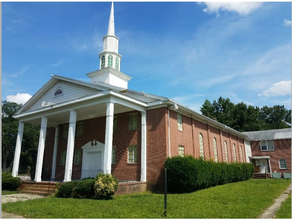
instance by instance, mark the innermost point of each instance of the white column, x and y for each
(143, 147)
(41, 150)
(55, 153)
(108, 145)
(17, 149)
(70, 146)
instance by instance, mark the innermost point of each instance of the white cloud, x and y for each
(278, 89)
(287, 22)
(242, 8)
(19, 98)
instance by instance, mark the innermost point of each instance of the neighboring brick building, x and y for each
(102, 126)
(271, 150)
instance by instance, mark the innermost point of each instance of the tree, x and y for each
(9, 135)
(247, 118)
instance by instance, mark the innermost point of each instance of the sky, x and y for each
(186, 51)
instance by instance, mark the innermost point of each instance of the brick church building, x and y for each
(102, 126)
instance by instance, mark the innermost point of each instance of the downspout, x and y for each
(270, 167)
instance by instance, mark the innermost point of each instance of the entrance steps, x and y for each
(260, 176)
(40, 188)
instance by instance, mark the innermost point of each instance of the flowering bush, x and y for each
(105, 186)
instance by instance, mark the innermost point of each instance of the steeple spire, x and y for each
(111, 24)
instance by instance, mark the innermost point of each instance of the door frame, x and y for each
(87, 149)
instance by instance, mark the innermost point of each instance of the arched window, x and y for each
(201, 145)
(226, 152)
(241, 155)
(117, 63)
(102, 62)
(58, 92)
(234, 152)
(110, 60)
(215, 149)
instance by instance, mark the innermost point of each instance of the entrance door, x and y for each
(94, 164)
(263, 166)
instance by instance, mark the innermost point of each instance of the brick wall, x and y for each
(282, 151)
(95, 129)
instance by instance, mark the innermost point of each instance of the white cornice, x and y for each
(109, 70)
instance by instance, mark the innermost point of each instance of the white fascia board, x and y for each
(57, 106)
(37, 94)
(88, 100)
(128, 98)
(207, 120)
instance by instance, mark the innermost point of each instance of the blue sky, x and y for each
(185, 51)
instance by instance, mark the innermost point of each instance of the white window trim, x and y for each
(55, 96)
(183, 147)
(267, 146)
(280, 164)
(201, 147)
(178, 124)
(134, 155)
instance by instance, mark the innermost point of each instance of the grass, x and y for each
(285, 210)
(6, 192)
(245, 199)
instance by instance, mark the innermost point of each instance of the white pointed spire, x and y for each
(111, 24)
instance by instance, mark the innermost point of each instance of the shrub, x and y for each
(105, 186)
(65, 189)
(186, 174)
(9, 182)
(84, 189)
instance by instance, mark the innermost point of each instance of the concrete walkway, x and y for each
(272, 210)
(16, 198)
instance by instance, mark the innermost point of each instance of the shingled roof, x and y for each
(270, 134)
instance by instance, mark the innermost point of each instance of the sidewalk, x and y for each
(272, 210)
(16, 198)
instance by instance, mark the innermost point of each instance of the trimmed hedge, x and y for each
(102, 187)
(187, 174)
(9, 182)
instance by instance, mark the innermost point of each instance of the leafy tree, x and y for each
(9, 135)
(247, 118)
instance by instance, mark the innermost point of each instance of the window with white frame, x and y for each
(226, 151)
(102, 62)
(215, 149)
(133, 121)
(132, 154)
(181, 150)
(58, 92)
(114, 149)
(241, 154)
(283, 163)
(179, 122)
(117, 63)
(201, 143)
(234, 152)
(110, 60)
(267, 146)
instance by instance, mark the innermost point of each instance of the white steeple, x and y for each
(111, 24)
(110, 59)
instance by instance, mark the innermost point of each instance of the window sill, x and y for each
(131, 163)
(267, 150)
(283, 168)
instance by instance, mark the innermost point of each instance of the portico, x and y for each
(106, 104)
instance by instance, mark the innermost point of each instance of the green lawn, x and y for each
(245, 199)
(6, 192)
(285, 210)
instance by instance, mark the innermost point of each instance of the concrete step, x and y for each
(44, 193)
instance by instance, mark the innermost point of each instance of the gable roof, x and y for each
(277, 134)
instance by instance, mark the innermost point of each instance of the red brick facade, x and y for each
(282, 150)
(157, 144)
